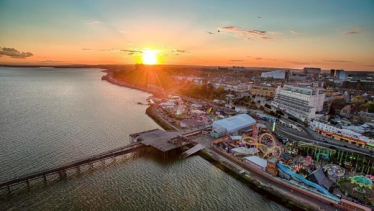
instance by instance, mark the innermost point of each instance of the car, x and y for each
(345, 146)
(371, 151)
(325, 141)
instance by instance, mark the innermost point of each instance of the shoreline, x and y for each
(274, 193)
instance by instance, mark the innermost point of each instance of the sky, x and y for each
(334, 34)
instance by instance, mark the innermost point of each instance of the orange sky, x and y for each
(337, 34)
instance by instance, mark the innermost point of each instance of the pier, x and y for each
(166, 144)
(77, 165)
(192, 151)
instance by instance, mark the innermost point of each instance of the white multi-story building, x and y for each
(278, 74)
(299, 102)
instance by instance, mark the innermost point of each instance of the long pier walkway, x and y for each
(61, 170)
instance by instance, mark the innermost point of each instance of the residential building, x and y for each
(264, 91)
(312, 71)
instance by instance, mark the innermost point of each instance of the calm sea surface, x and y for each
(50, 117)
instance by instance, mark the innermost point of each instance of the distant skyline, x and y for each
(334, 34)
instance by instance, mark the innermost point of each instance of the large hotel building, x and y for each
(299, 102)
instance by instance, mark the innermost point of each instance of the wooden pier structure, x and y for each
(77, 165)
(166, 144)
(192, 151)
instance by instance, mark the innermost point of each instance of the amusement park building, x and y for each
(342, 134)
(231, 125)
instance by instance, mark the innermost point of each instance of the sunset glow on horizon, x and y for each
(149, 57)
(288, 34)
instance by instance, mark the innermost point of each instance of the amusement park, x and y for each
(331, 174)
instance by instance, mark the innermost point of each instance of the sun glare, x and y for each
(149, 57)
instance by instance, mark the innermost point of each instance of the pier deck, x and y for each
(192, 151)
(61, 170)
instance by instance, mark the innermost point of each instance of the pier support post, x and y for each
(45, 178)
(78, 170)
(8, 187)
(28, 184)
(62, 173)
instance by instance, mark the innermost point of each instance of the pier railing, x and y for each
(61, 170)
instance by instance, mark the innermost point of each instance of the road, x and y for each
(316, 138)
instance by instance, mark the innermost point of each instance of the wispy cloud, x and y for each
(294, 32)
(50, 61)
(299, 63)
(338, 61)
(179, 51)
(95, 23)
(250, 34)
(13, 53)
(266, 38)
(273, 32)
(86, 49)
(131, 51)
(351, 32)
(242, 31)
(354, 30)
(258, 58)
(236, 60)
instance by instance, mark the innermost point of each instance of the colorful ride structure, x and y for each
(266, 145)
(288, 170)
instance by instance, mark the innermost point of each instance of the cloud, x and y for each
(355, 30)
(338, 61)
(86, 49)
(273, 32)
(294, 32)
(95, 23)
(242, 32)
(250, 34)
(236, 60)
(351, 32)
(267, 38)
(179, 51)
(131, 52)
(258, 58)
(13, 53)
(50, 61)
(299, 63)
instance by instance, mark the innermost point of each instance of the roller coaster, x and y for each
(266, 145)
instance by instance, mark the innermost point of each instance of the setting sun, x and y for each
(149, 57)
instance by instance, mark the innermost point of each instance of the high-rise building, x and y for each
(312, 71)
(299, 102)
(340, 74)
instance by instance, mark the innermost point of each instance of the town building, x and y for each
(341, 134)
(238, 68)
(299, 102)
(312, 71)
(264, 91)
(340, 74)
(277, 74)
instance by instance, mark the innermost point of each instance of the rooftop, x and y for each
(162, 140)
